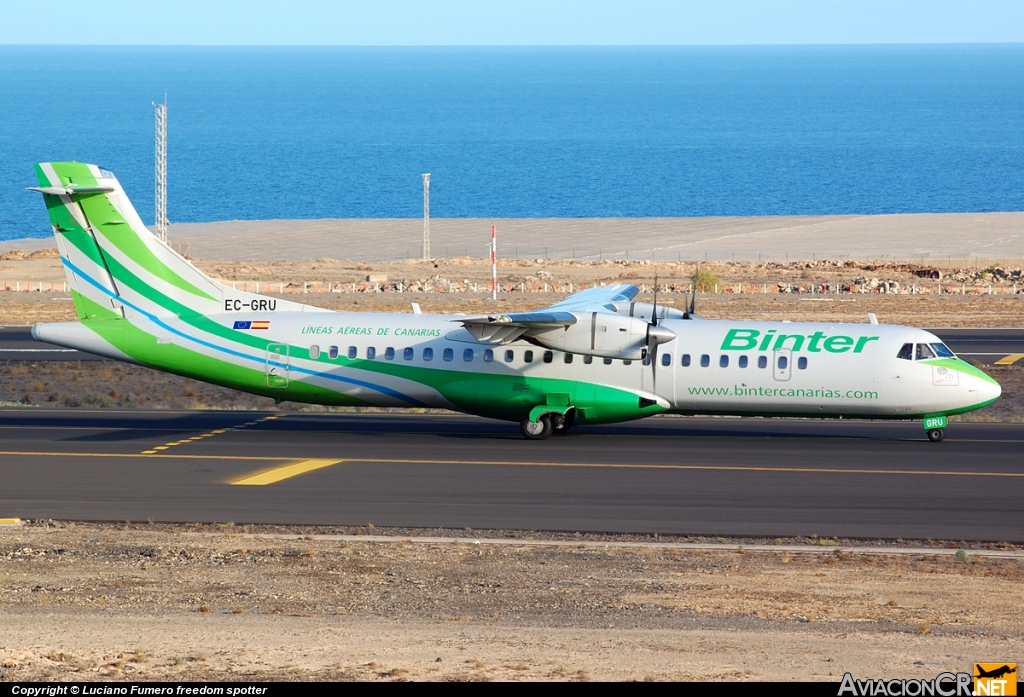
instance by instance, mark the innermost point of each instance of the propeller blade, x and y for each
(654, 313)
(654, 370)
(693, 292)
(652, 351)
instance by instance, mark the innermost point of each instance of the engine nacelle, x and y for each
(645, 310)
(599, 334)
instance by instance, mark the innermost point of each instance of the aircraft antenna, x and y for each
(161, 169)
(426, 217)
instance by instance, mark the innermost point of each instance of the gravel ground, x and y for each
(158, 602)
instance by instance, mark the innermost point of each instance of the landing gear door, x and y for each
(782, 364)
(278, 365)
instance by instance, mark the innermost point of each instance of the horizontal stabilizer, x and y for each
(71, 189)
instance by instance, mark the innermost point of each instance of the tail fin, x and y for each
(111, 259)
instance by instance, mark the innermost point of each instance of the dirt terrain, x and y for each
(897, 293)
(157, 602)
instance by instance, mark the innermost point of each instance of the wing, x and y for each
(503, 329)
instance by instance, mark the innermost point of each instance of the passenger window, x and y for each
(666, 359)
(528, 356)
(705, 361)
(389, 353)
(448, 354)
(783, 362)
(509, 355)
(724, 361)
(548, 356)
(467, 355)
(743, 361)
(371, 352)
(686, 360)
(801, 363)
(332, 352)
(428, 354)
(352, 351)
(924, 351)
(625, 362)
(942, 351)
(588, 359)
(314, 352)
(607, 361)
(762, 361)
(906, 352)
(568, 358)
(488, 355)
(408, 354)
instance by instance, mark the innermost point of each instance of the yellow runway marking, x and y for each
(511, 463)
(286, 472)
(209, 434)
(722, 468)
(150, 456)
(1009, 360)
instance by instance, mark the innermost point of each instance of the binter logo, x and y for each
(995, 679)
(753, 340)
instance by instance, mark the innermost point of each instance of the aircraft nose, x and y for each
(988, 390)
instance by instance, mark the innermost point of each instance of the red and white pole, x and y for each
(494, 262)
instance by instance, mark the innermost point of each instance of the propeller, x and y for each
(689, 314)
(656, 335)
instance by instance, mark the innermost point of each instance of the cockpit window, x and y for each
(924, 351)
(906, 353)
(942, 351)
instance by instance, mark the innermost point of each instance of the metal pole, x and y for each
(426, 217)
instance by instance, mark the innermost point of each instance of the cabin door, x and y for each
(278, 365)
(782, 365)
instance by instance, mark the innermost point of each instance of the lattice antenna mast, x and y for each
(161, 169)
(426, 217)
(494, 262)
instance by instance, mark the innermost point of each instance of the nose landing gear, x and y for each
(935, 427)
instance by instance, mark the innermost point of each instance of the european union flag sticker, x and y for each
(242, 324)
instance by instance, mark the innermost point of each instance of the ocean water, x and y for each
(258, 133)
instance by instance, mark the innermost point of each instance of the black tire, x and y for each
(566, 424)
(536, 430)
(935, 435)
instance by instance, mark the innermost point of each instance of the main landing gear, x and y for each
(935, 435)
(549, 423)
(537, 430)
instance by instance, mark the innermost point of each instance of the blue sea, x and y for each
(257, 133)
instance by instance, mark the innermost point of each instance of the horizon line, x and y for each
(511, 45)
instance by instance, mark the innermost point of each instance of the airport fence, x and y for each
(285, 288)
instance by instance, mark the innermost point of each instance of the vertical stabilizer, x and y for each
(111, 259)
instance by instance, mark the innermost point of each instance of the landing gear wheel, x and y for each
(563, 425)
(536, 430)
(936, 435)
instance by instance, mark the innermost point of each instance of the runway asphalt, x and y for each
(756, 477)
(986, 346)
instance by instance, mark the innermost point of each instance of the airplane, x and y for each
(596, 357)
